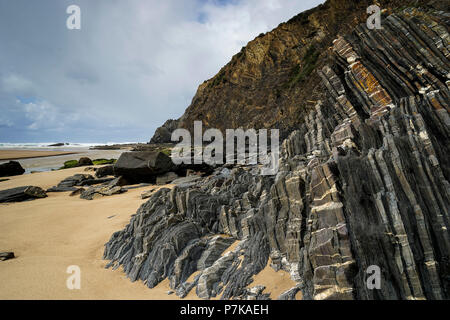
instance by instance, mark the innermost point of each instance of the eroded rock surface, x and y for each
(21, 194)
(142, 166)
(363, 181)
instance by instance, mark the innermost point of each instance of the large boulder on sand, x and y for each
(142, 166)
(12, 168)
(85, 161)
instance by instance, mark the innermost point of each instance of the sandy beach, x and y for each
(48, 159)
(31, 154)
(48, 235)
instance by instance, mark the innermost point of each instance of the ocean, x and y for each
(47, 145)
(54, 162)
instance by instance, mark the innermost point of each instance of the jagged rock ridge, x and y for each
(272, 82)
(363, 181)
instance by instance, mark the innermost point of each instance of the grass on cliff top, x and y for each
(299, 73)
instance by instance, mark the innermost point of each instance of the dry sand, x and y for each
(29, 154)
(48, 235)
(275, 282)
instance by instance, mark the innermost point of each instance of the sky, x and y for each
(132, 65)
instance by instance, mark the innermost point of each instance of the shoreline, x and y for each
(47, 160)
(20, 154)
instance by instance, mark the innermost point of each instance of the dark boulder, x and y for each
(104, 171)
(12, 168)
(142, 166)
(60, 144)
(21, 194)
(85, 162)
(35, 192)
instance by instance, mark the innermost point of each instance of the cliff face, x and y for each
(363, 182)
(272, 82)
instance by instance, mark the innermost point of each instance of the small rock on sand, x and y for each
(6, 256)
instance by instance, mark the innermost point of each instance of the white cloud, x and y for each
(4, 122)
(15, 83)
(133, 64)
(44, 116)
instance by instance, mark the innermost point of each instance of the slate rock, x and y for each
(98, 191)
(11, 168)
(77, 192)
(6, 256)
(118, 182)
(186, 180)
(69, 183)
(147, 194)
(85, 161)
(104, 171)
(22, 194)
(61, 189)
(142, 166)
(363, 181)
(91, 182)
(166, 178)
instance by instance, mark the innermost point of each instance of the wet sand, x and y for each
(46, 160)
(30, 154)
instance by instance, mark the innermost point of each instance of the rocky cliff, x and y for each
(363, 177)
(273, 82)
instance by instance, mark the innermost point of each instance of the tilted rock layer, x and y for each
(272, 82)
(363, 181)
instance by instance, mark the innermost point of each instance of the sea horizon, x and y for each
(50, 145)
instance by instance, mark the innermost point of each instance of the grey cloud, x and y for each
(133, 64)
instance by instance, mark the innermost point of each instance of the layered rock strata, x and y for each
(362, 182)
